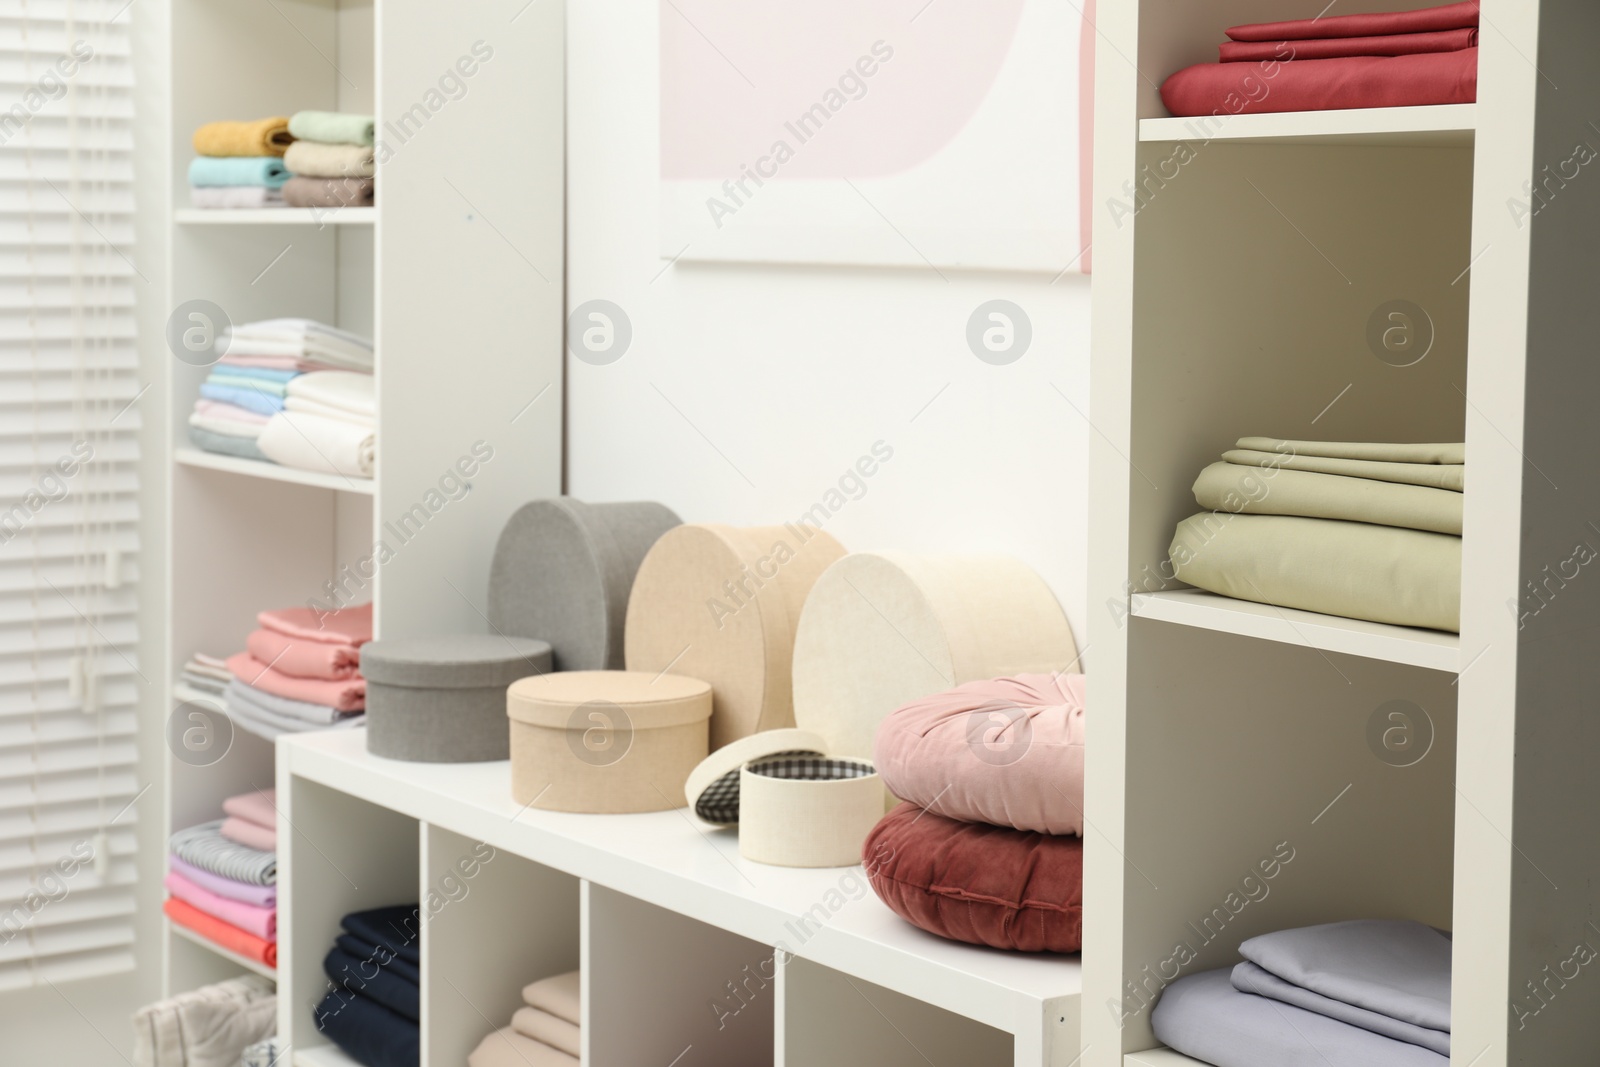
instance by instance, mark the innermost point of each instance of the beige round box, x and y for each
(606, 742)
(803, 810)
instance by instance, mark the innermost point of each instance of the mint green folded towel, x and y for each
(267, 171)
(332, 127)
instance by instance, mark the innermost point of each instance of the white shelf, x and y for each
(322, 1056)
(246, 962)
(1160, 1057)
(1375, 640)
(1442, 125)
(194, 457)
(182, 693)
(276, 216)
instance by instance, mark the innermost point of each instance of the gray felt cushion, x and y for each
(453, 661)
(562, 571)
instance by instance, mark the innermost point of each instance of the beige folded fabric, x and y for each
(507, 1048)
(260, 137)
(329, 192)
(1434, 475)
(1354, 569)
(542, 1026)
(312, 160)
(560, 996)
(1383, 452)
(1231, 488)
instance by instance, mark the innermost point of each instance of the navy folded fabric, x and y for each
(395, 928)
(368, 1032)
(365, 976)
(363, 949)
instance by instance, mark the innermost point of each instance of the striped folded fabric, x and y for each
(204, 847)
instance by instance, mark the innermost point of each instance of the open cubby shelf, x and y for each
(1441, 125)
(283, 216)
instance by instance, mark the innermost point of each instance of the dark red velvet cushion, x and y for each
(986, 885)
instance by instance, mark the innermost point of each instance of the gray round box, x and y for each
(562, 572)
(443, 699)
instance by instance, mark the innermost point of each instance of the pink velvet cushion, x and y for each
(1004, 751)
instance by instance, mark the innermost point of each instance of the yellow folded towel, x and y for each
(263, 137)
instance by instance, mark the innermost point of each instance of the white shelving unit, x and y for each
(1233, 299)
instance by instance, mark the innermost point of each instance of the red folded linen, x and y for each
(1449, 17)
(349, 694)
(1324, 84)
(227, 935)
(347, 626)
(1395, 44)
(249, 834)
(302, 658)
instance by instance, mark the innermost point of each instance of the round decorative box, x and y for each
(713, 786)
(562, 571)
(804, 810)
(721, 603)
(606, 742)
(442, 699)
(882, 629)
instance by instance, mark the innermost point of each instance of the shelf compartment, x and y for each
(1441, 125)
(322, 1056)
(194, 457)
(278, 216)
(227, 954)
(1373, 640)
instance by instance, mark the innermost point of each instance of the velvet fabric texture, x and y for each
(1446, 17)
(1006, 751)
(225, 934)
(369, 977)
(368, 1032)
(1399, 44)
(985, 885)
(1225, 89)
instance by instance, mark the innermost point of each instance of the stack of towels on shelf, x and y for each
(206, 674)
(213, 1026)
(239, 164)
(545, 1031)
(1363, 530)
(1399, 59)
(1370, 993)
(223, 878)
(286, 366)
(331, 160)
(300, 671)
(372, 1007)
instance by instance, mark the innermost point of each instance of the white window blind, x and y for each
(69, 678)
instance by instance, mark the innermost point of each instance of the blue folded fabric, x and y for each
(226, 444)
(370, 977)
(363, 949)
(395, 928)
(244, 397)
(368, 1032)
(238, 170)
(261, 374)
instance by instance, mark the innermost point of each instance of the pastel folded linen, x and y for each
(265, 896)
(232, 379)
(559, 995)
(1376, 451)
(226, 444)
(1228, 487)
(296, 714)
(316, 443)
(250, 398)
(259, 806)
(396, 928)
(255, 137)
(1451, 476)
(267, 171)
(204, 846)
(330, 192)
(342, 390)
(369, 1033)
(227, 425)
(1447, 17)
(300, 339)
(332, 127)
(1324, 84)
(366, 977)
(223, 410)
(248, 833)
(347, 626)
(507, 1048)
(1353, 569)
(363, 949)
(1248, 978)
(222, 933)
(262, 922)
(234, 197)
(1204, 1017)
(345, 694)
(1395, 44)
(313, 159)
(274, 362)
(201, 682)
(304, 659)
(272, 375)
(542, 1026)
(266, 725)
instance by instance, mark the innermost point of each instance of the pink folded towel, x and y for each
(249, 834)
(304, 659)
(276, 363)
(259, 807)
(347, 626)
(349, 694)
(222, 410)
(262, 896)
(262, 922)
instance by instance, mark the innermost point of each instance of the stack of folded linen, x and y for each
(1399, 59)
(1363, 530)
(213, 1026)
(1371, 993)
(223, 877)
(239, 164)
(206, 674)
(372, 1008)
(331, 161)
(328, 424)
(296, 344)
(300, 672)
(545, 1032)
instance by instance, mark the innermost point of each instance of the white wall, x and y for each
(791, 373)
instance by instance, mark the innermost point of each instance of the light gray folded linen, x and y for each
(1248, 978)
(1250, 490)
(272, 704)
(1437, 475)
(1455, 452)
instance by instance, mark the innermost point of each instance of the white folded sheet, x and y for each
(315, 443)
(226, 426)
(300, 339)
(234, 196)
(341, 391)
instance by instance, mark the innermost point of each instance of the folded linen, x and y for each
(362, 949)
(1435, 475)
(250, 397)
(259, 806)
(1231, 488)
(301, 406)
(1375, 451)
(221, 409)
(315, 443)
(272, 375)
(248, 833)
(221, 421)
(347, 626)
(251, 918)
(212, 666)
(395, 928)
(207, 439)
(313, 159)
(255, 137)
(205, 1027)
(341, 390)
(231, 379)
(542, 1026)
(270, 727)
(267, 171)
(345, 694)
(332, 127)
(265, 896)
(330, 192)
(1324, 84)
(225, 934)
(560, 995)
(1248, 978)
(368, 1032)
(1203, 1016)
(276, 362)
(507, 1048)
(284, 712)
(1447, 17)
(204, 846)
(234, 197)
(298, 338)
(202, 682)
(304, 659)
(366, 977)
(1354, 569)
(1395, 44)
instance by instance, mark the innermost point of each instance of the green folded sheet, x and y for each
(332, 127)
(1434, 475)
(1455, 453)
(1232, 488)
(1356, 570)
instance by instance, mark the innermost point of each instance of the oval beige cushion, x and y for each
(722, 603)
(882, 629)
